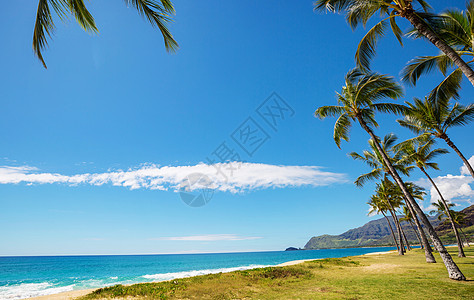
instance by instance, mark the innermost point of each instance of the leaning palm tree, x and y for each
(455, 28)
(408, 217)
(430, 117)
(460, 220)
(385, 190)
(374, 160)
(157, 12)
(444, 214)
(417, 193)
(420, 153)
(359, 100)
(361, 11)
(378, 206)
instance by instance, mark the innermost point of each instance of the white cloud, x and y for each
(209, 238)
(454, 188)
(239, 177)
(464, 170)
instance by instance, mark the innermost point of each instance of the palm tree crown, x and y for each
(415, 11)
(435, 117)
(373, 158)
(457, 29)
(359, 99)
(361, 11)
(420, 152)
(440, 209)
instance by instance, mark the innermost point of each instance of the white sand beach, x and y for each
(64, 296)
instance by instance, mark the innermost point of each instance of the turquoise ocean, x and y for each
(30, 276)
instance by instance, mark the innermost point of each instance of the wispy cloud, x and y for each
(208, 238)
(248, 176)
(455, 188)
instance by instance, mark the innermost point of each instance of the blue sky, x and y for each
(117, 101)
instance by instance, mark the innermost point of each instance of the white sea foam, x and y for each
(27, 290)
(175, 275)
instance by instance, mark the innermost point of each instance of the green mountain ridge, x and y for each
(377, 233)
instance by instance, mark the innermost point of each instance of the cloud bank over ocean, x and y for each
(226, 177)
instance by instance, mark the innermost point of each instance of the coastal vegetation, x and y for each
(365, 93)
(382, 276)
(362, 97)
(377, 232)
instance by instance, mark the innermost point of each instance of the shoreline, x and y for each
(78, 293)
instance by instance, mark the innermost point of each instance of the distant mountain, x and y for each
(373, 233)
(377, 233)
(469, 218)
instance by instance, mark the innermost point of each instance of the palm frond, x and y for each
(398, 109)
(465, 115)
(435, 153)
(368, 116)
(424, 65)
(82, 15)
(426, 7)
(447, 89)
(158, 13)
(364, 178)
(366, 49)
(329, 111)
(395, 29)
(341, 129)
(44, 27)
(456, 29)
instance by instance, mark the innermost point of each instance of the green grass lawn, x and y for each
(385, 276)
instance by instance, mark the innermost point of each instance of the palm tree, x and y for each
(460, 220)
(454, 27)
(379, 206)
(385, 192)
(157, 12)
(408, 217)
(444, 212)
(361, 11)
(418, 193)
(419, 153)
(358, 101)
(374, 160)
(433, 118)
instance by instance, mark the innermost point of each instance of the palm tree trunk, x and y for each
(416, 233)
(448, 213)
(426, 245)
(423, 29)
(450, 143)
(405, 238)
(401, 250)
(391, 229)
(453, 270)
(465, 237)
